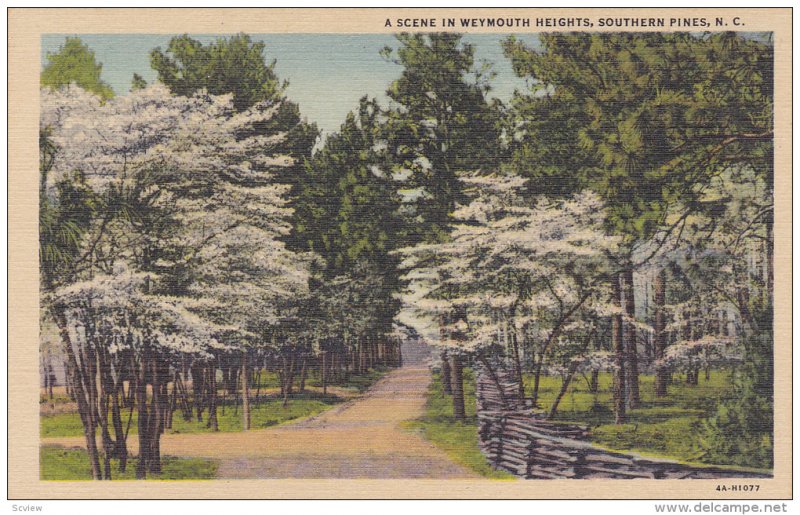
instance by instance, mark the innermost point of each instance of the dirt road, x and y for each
(362, 438)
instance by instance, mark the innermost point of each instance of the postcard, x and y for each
(400, 253)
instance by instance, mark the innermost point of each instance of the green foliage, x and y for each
(676, 426)
(347, 211)
(652, 117)
(667, 438)
(544, 147)
(741, 430)
(442, 125)
(75, 63)
(64, 219)
(60, 464)
(238, 66)
(229, 65)
(138, 82)
(459, 439)
(580, 404)
(348, 203)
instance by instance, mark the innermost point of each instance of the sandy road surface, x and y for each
(359, 439)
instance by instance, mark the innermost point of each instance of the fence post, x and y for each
(501, 429)
(530, 458)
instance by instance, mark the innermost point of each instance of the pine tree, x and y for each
(75, 63)
(442, 124)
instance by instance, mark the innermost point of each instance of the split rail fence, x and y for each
(515, 438)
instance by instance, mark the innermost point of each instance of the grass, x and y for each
(458, 439)
(359, 383)
(60, 464)
(59, 397)
(664, 427)
(267, 412)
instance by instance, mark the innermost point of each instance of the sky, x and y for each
(327, 73)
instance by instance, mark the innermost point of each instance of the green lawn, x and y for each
(458, 439)
(667, 427)
(359, 383)
(59, 397)
(663, 427)
(59, 464)
(265, 413)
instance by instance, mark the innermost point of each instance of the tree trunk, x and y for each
(537, 375)
(51, 378)
(618, 345)
(362, 356)
(517, 361)
(724, 330)
(660, 336)
(495, 380)
(324, 373)
(186, 407)
(564, 386)
(446, 376)
(212, 396)
(245, 393)
(303, 375)
(143, 419)
(770, 259)
(157, 412)
(173, 404)
(457, 379)
(743, 301)
(446, 386)
(199, 375)
(289, 379)
(78, 390)
(687, 336)
(102, 418)
(120, 436)
(632, 369)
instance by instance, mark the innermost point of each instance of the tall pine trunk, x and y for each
(517, 359)
(199, 375)
(457, 383)
(660, 336)
(324, 372)
(159, 407)
(211, 383)
(631, 358)
(770, 244)
(143, 419)
(245, 393)
(446, 386)
(288, 380)
(303, 372)
(618, 345)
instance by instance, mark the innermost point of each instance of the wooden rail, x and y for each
(516, 439)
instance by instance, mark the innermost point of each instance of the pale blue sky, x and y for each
(327, 73)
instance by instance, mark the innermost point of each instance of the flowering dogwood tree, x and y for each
(516, 275)
(182, 255)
